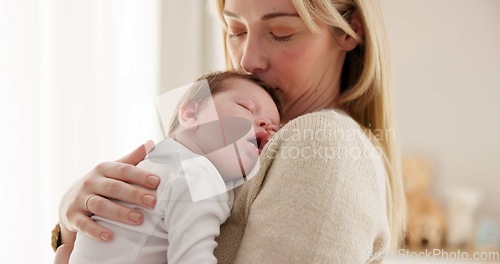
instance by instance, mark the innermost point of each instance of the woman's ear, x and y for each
(188, 115)
(346, 41)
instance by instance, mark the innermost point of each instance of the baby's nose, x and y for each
(264, 123)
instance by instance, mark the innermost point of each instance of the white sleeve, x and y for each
(193, 226)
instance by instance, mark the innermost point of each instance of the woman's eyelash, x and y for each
(281, 38)
(276, 38)
(235, 35)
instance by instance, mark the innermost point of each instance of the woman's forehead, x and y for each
(258, 8)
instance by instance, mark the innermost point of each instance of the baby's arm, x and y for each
(193, 226)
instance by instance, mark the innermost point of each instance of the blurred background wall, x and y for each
(446, 63)
(77, 82)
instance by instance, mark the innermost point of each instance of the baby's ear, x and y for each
(188, 115)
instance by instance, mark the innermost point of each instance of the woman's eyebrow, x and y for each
(274, 15)
(264, 17)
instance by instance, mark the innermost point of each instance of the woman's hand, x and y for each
(119, 180)
(63, 253)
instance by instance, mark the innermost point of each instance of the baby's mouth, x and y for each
(262, 138)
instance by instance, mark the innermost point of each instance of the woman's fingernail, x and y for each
(134, 216)
(153, 180)
(104, 236)
(148, 200)
(149, 146)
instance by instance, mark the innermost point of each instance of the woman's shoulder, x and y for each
(330, 126)
(323, 119)
(330, 134)
(321, 159)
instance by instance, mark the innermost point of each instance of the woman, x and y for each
(329, 188)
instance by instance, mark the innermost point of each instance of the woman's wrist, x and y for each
(67, 236)
(56, 240)
(61, 235)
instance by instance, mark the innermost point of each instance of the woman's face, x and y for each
(269, 40)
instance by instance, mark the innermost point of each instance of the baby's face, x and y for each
(248, 118)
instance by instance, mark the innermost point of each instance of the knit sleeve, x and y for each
(323, 199)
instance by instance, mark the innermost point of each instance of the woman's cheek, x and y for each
(294, 55)
(235, 54)
(286, 65)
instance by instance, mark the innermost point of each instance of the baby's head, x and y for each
(227, 116)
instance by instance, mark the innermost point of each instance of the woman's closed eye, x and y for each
(236, 31)
(236, 34)
(274, 36)
(282, 33)
(281, 37)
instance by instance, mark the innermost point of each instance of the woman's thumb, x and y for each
(138, 155)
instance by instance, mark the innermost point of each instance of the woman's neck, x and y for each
(310, 103)
(319, 95)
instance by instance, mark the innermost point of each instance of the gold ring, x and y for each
(87, 202)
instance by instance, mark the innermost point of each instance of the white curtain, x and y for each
(77, 79)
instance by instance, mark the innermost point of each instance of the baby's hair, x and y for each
(217, 82)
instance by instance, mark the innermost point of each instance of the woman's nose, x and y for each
(253, 59)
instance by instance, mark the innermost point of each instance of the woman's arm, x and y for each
(114, 180)
(323, 199)
(63, 253)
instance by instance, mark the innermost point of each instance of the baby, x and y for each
(223, 121)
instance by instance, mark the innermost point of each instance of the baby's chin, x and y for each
(237, 171)
(232, 167)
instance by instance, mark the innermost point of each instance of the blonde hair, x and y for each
(365, 88)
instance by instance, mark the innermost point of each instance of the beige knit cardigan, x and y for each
(319, 197)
